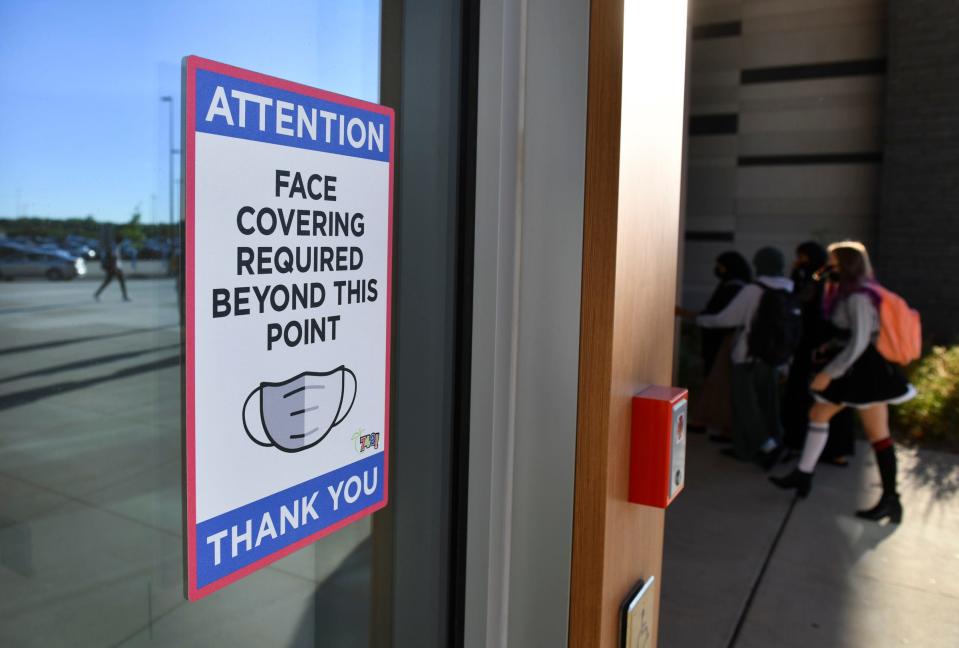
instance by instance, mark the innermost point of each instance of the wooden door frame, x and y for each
(631, 232)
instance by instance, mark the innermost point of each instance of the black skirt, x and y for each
(871, 380)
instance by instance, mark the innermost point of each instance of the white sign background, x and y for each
(231, 355)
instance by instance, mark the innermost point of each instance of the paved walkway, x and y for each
(90, 498)
(745, 567)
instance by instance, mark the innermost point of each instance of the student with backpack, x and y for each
(872, 329)
(710, 409)
(768, 322)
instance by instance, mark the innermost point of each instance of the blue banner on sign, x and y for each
(233, 540)
(235, 107)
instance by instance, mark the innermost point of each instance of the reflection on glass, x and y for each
(90, 468)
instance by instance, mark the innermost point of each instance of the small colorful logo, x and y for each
(366, 442)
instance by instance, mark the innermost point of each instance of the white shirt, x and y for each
(739, 313)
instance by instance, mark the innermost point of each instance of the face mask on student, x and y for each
(829, 273)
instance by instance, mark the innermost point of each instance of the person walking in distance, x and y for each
(112, 265)
(856, 376)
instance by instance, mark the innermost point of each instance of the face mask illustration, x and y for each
(298, 413)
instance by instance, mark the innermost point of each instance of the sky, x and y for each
(82, 127)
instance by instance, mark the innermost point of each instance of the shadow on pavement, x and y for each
(88, 362)
(45, 307)
(832, 579)
(937, 473)
(87, 338)
(32, 395)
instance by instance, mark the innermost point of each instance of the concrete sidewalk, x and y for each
(832, 580)
(90, 491)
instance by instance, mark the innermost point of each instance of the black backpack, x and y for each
(776, 327)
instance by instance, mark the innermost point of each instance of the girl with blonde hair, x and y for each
(856, 376)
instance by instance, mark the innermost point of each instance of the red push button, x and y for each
(658, 446)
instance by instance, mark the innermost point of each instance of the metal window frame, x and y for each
(530, 166)
(428, 76)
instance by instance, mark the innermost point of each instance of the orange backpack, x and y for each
(900, 330)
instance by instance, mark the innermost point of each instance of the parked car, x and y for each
(80, 250)
(154, 248)
(23, 261)
(81, 246)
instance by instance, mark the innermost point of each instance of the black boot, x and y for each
(888, 507)
(889, 504)
(801, 481)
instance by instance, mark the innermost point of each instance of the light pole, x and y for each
(169, 100)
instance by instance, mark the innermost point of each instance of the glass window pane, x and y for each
(90, 432)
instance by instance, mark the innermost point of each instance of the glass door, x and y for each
(90, 326)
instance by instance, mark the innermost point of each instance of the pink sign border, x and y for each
(191, 65)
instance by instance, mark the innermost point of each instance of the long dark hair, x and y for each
(735, 267)
(815, 254)
(733, 273)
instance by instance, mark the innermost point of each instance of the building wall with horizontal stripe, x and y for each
(785, 127)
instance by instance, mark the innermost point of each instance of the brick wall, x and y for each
(918, 252)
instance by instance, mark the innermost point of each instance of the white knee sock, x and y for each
(816, 438)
